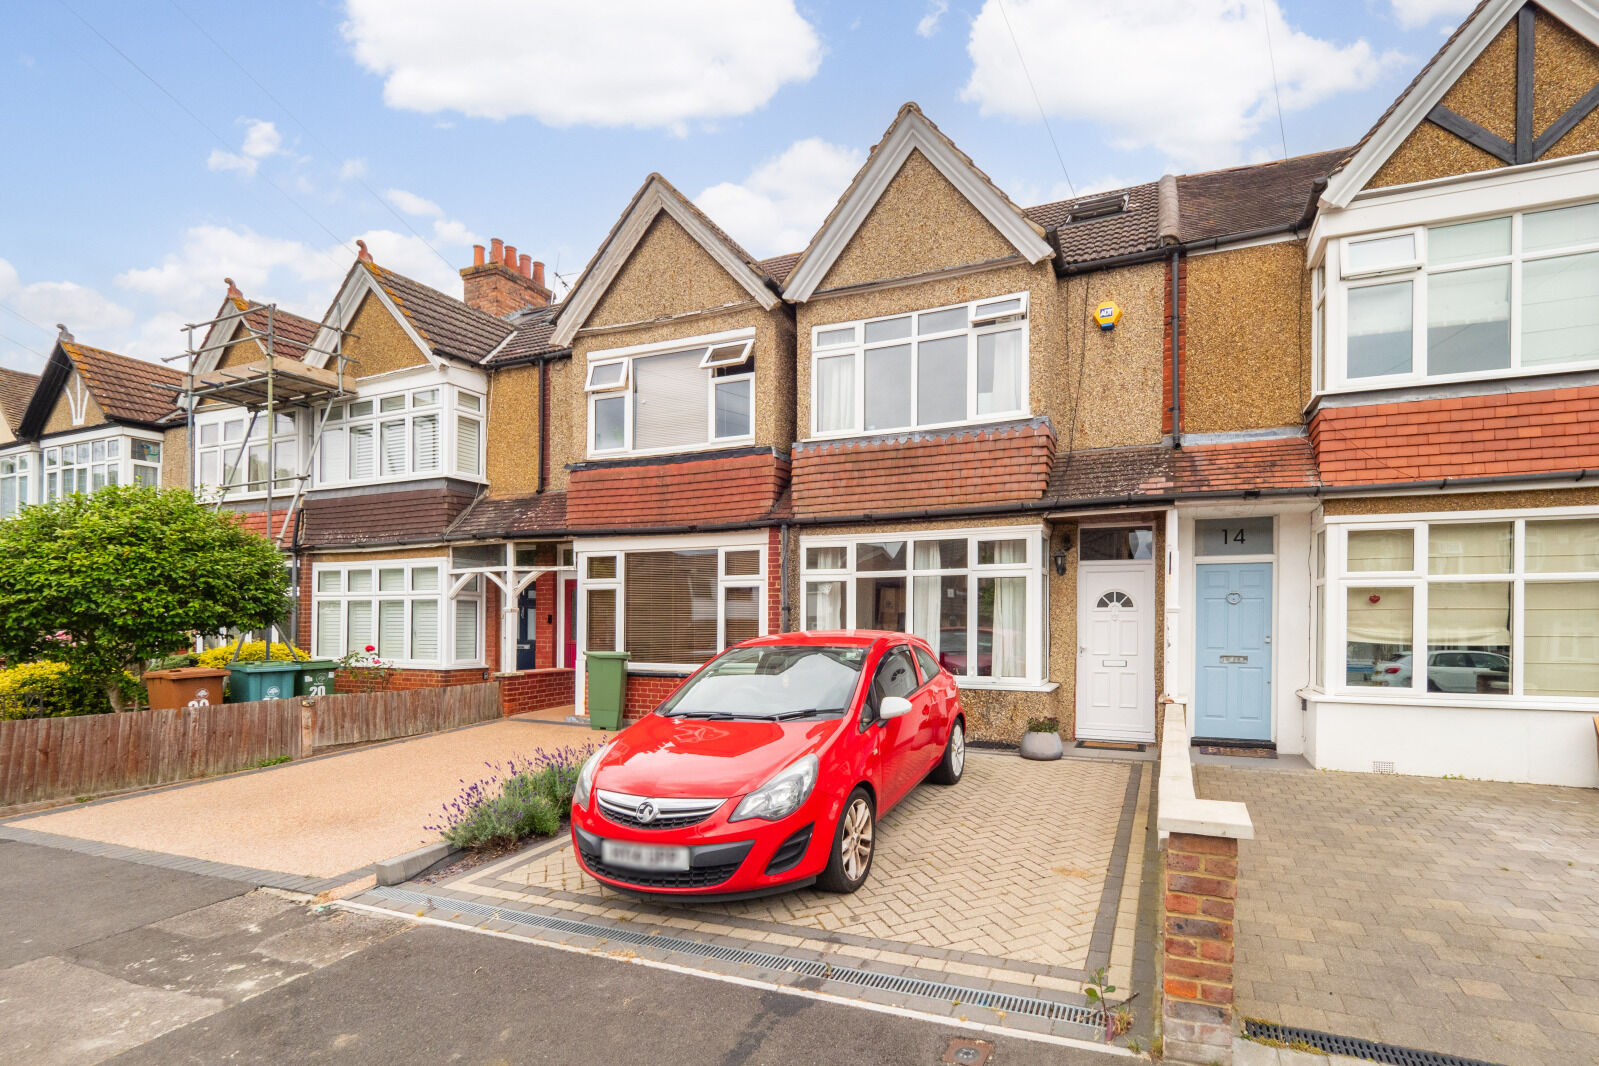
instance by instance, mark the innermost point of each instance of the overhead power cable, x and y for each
(1022, 60)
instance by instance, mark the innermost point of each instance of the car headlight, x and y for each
(782, 795)
(585, 776)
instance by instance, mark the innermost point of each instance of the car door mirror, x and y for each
(893, 707)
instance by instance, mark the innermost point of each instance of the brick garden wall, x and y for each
(536, 690)
(644, 694)
(1201, 889)
(403, 680)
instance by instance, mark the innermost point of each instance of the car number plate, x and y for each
(643, 856)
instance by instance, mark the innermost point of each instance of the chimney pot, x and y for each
(477, 255)
(363, 255)
(510, 256)
(524, 266)
(496, 250)
(538, 274)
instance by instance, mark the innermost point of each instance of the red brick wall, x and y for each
(493, 618)
(545, 591)
(774, 580)
(1182, 338)
(644, 694)
(303, 622)
(409, 679)
(1461, 436)
(536, 690)
(921, 470)
(702, 492)
(1201, 890)
(255, 521)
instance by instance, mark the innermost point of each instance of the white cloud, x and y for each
(39, 305)
(784, 200)
(624, 63)
(352, 168)
(261, 139)
(1413, 13)
(1198, 87)
(928, 25)
(412, 204)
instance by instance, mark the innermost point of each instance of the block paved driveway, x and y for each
(1453, 916)
(1024, 877)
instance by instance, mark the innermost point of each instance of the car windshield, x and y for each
(771, 682)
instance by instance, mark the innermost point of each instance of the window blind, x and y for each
(466, 630)
(391, 629)
(327, 629)
(425, 433)
(362, 456)
(424, 629)
(393, 440)
(466, 445)
(671, 606)
(669, 401)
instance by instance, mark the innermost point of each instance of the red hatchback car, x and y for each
(769, 768)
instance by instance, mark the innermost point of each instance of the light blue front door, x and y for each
(1232, 659)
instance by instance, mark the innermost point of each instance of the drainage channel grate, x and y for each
(1354, 1047)
(849, 975)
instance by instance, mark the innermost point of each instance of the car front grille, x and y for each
(621, 808)
(698, 877)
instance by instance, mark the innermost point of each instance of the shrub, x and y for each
(522, 798)
(28, 689)
(254, 651)
(1043, 725)
(174, 662)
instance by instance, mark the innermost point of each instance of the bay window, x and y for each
(1498, 606)
(15, 480)
(976, 597)
(91, 465)
(402, 435)
(673, 607)
(672, 397)
(1480, 298)
(399, 608)
(229, 449)
(940, 367)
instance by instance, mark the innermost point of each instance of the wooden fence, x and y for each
(51, 758)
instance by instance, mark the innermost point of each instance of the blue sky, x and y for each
(258, 141)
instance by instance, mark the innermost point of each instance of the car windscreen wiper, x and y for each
(716, 716)
(808, 712)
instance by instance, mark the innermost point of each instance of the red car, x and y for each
(769, 768)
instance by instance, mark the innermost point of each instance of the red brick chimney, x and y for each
(502, 282)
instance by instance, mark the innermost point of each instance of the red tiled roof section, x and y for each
(1107, 236)
(922, 471)
(16, 389)
(291, 334)
(127, 389)
(1157, 471)
(513, 516)
(381, 517)
(725, 490)
(778, 267)
(449, 326)
(1545, 431)
(1222, 203)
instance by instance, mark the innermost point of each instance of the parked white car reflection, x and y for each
(1450, 671)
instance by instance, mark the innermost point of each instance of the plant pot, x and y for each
(1041, 746)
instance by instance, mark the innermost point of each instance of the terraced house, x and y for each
(1302, 444)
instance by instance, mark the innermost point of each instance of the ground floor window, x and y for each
(1503, 606)
(400, 609)
(14, 477)
(672, 606)
(975, 596)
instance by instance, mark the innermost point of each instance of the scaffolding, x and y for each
(271, 386)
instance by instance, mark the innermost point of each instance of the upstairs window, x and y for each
(88, 466)
(224, 456)
(941, 367)
(15, 478)
(401, 435)
(1472, 299)
(675, 399)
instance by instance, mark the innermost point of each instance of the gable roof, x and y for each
(653, 197)
(292, 334)
(534, 336)
(1411, 107)
(450, 327)
(127, 389)
(910, 131)
(16, 389)
(1223, 203)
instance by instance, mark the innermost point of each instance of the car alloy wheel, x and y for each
(855, 850)
(953, 764)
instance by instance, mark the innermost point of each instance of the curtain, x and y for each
(925, 601)
(835, 393)
(1377, 550)
(824, 605)
(1009, 625)
(999, 372)
(1562, 641)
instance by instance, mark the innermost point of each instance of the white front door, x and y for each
(1116, 651)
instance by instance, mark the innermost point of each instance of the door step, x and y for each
(1236, 749)
(1111, 745)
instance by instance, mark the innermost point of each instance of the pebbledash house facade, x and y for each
(1327, 480)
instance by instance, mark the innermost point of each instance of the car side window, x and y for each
(896, 676)
(928, 664)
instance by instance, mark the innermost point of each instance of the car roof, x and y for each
(831, 638)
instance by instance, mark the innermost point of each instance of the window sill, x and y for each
(663, 453)
(991, 685)
(1458, 701)
(940, 428)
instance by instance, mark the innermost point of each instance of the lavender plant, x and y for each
(522, 797)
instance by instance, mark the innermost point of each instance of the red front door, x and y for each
(569, 634)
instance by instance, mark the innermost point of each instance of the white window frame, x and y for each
(219, 419)
(978, 323)
(1334, 282)
(1032, 568)
(125, 465)
(619, 549)
(450, 405)
(627, 387)
(1339, 580)
(25, 477)
(447, 605)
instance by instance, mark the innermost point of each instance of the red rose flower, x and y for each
(371, 647)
